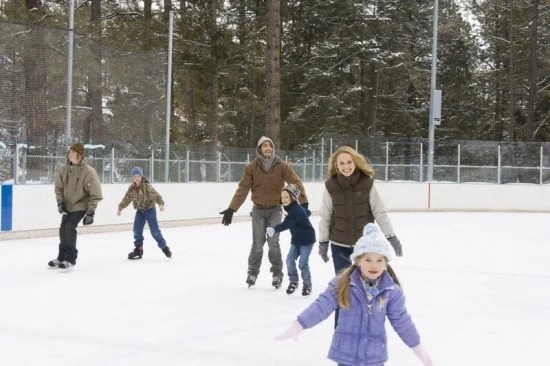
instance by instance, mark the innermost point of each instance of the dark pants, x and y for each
(261, 219)
(341, 261)
(149, 216)
(67, 236)
(340, 257)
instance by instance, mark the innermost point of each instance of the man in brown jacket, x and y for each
(78, 191)
(265, 176)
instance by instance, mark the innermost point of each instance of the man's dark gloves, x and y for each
(323, 250)
(62, 208)
(89, 218)
(227, 216)
(396, 244)
(306, 207)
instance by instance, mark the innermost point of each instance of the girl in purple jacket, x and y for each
(366, 293)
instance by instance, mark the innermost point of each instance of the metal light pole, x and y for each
(435, 97)
(168, 95)
(69, 99)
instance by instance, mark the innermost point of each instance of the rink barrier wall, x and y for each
(33, 209)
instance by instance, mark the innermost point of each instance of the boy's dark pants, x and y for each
(67, 236)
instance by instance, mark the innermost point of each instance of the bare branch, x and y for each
(118, 13)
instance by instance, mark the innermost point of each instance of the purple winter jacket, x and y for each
(360, 338)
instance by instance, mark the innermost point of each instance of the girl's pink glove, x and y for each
(292, 332)
(423, 356)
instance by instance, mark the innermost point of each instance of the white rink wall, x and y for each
(35, 208)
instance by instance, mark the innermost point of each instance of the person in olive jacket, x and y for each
(77, 191)
(265, 176)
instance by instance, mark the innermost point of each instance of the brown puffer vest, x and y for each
(350, 206)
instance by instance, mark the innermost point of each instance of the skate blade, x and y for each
(65, 270)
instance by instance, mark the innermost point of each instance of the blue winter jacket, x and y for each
(360, 336)
(299, 225)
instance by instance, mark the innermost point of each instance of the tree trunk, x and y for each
(511, 109)
(35, 85)
(214, 73)
(533, 74)
(273, 71)
(95, 79)
(498, 91)
(372, 101)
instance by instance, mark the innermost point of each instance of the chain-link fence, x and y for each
(454, 161)
(118, 98)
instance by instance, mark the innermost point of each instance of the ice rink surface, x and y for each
(477, 286)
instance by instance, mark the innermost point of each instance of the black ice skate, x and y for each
(277, 281)
(137, 253)
(65, 266)
(291, 288)
(251, 280)
(167, 252)
(306, 290)
(53, 264)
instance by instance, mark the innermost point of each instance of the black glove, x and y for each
(89, 218)
(227, 216)
(323, 250)
(306, 207)
(396, 244)
(62, 208)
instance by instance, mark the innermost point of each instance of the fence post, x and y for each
(421, 162)
(331, 146)
(112, 163)
(179, 170)
(498, 167)
(540, 179)
(24, 168)
(387, 158)
(304, 170)
(103, 169)
(247, 159)
(15, 162)
(313, 167)
(218, 167)
(152, 166)
(458, 166)
(322, 159)
(187, 167)
(356, 145)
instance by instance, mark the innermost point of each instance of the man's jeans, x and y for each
(302, 252)
(261, 219)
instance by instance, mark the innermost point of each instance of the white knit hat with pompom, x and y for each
(372, 241)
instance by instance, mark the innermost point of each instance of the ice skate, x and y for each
(306, 290)
(137, 253)
(65, 266)
(251, 280)
(291, 288)
(277, 281)
(167, 252)
(53, 264)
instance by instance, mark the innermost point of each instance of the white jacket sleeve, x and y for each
(325, 213)
(379, 212)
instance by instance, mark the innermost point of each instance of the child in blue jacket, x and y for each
(302, 238)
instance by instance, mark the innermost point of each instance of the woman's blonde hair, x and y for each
(342, 287)
(358, 159)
